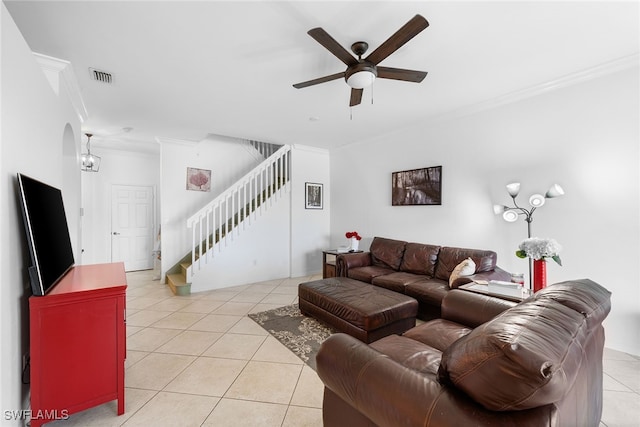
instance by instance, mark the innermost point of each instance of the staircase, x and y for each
(229, 214)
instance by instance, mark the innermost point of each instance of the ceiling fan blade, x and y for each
(401, 74)
(319, 80)
(322, 37)
(398, 39)
(356, 97)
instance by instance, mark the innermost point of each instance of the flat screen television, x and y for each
(45, 223)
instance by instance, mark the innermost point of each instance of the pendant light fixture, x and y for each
(90, 162)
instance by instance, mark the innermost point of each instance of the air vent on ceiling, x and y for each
(101, 76)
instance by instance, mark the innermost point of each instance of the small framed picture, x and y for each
(198, 179)
(312, 195)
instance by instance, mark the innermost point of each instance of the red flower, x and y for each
(353, 234)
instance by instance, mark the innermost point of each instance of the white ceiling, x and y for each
(183, 70)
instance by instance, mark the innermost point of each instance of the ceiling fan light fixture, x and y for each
(361, 79)
(361, 75)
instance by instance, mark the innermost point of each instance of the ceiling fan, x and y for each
(361, 73)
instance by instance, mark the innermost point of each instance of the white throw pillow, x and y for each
(466, 268)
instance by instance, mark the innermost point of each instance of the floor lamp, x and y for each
(511, 213)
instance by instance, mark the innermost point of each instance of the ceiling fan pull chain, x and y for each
(372, 93)
(351, 113)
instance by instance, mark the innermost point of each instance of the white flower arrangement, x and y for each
(537, 248)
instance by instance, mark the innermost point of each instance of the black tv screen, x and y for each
(47, 233)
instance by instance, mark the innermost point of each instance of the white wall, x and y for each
(256, 253)
(228, 159)
(33, 141)
(116, 168)
(584, 137)
(309, 227)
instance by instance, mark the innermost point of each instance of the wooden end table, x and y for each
(329, 268)
(503, 292)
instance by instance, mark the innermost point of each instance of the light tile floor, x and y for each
(200, 361)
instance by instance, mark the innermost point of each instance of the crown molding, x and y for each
(60, 75)
(315, 150)
(176, 141)
(600, 70)
(128, 148)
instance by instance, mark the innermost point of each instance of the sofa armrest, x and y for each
(472, 309)
(351, 260)
(390, 394)
(495, 274)
(382, 389)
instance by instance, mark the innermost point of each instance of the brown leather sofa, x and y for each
(537, 363)
(419, 270)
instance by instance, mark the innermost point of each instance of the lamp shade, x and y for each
(536, 200)
(361, 79)
(510, 216)
(498, 209)
(513, 189)
(554, 191)
(90, 162)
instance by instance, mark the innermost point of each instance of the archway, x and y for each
(71, 188)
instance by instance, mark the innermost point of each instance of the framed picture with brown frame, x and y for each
(417, 187)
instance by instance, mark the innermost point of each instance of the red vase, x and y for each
(539, 274)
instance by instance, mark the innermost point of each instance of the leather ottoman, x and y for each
(362, 310)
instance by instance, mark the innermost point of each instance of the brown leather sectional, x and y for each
(418, 270)
(485, 362)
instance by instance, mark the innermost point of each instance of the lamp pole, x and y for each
(528, 214)
(528, 217)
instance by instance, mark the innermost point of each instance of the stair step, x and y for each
(184, 266)
(178, 284)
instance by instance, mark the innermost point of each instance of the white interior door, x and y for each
(132, 231)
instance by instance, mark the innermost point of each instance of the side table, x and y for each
(329, 261)
(510, 293)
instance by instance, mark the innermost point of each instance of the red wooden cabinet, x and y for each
(78, 343)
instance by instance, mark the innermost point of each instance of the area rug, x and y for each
(299, 333)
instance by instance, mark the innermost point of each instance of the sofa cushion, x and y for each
(526, 357)
(410, 353)
(437, 333)
(387, 252)
(449, 258)
(366, 274)
(588, 298)
(397, 281)
(420, 259)
(431, 291)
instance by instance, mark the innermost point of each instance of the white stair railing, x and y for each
(237, 207)
(264, 149)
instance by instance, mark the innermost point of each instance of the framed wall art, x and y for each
(417, 187)
(312, 195)
(198, 179)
